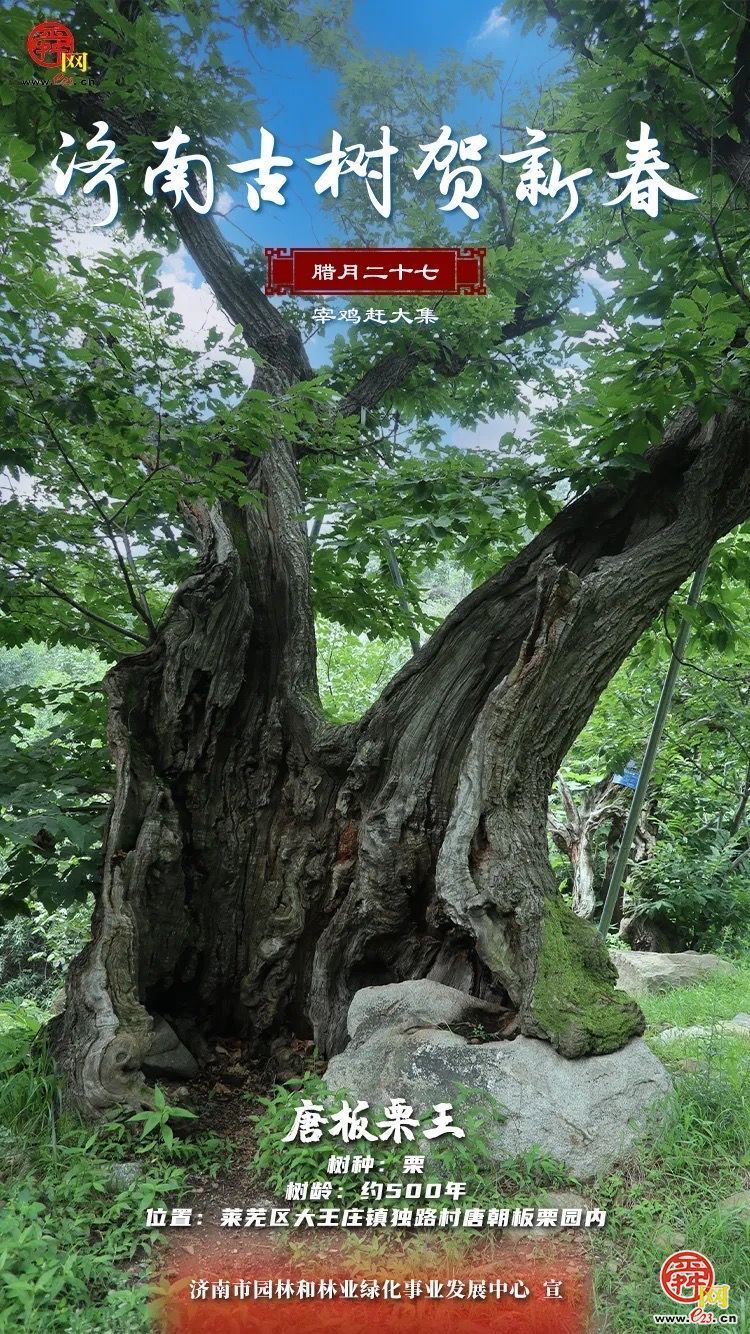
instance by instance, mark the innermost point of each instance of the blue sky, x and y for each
(296, 101)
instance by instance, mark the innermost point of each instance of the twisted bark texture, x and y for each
(262, 864)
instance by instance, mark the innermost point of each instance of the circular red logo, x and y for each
(47, 42)
(684, 1274)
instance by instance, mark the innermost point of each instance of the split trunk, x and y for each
(261, 864)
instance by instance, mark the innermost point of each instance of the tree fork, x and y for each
(630, 548)
(261, 864)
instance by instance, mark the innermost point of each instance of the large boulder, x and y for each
(418, 1004)
(725, 1028)
(586, 1113)
(640, 973)
(167, 1055)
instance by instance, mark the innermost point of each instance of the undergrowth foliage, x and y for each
(683, 1189)
(74, 1256)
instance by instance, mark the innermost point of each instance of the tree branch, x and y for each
(78, 606)
(393, 370)
(660, 525)
(139, 604)
(264, 328)
(687, 69)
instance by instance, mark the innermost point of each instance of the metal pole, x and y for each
(657, 727)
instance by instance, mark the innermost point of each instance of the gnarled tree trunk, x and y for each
(262, 865)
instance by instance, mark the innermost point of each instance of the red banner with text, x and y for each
(445, 271)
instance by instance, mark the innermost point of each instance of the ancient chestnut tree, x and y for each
(261, 863)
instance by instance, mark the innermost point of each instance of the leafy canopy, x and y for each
(113, 421)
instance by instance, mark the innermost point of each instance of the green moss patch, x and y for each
(574, 1003)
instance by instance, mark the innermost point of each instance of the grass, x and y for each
(75, 1259)
(74, 1256)
(669, 1196)
(721, 997)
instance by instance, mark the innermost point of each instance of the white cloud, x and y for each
(494, 22)
(223, 203)
(605, 286)
(605, 333)
(194, 300)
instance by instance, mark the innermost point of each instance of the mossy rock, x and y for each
(574, 1003)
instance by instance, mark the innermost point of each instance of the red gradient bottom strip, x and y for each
(357, 1300)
